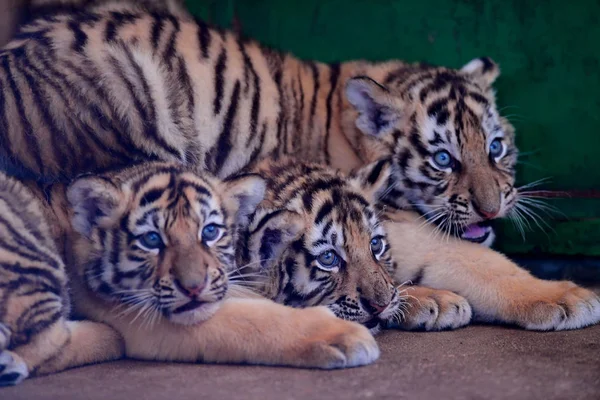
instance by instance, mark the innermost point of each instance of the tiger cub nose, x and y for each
(190, 289)
(373, 307)
(486, 212)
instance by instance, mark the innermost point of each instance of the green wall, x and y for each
(549, 87)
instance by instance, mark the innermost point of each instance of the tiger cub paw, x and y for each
(561, 306)
(13, 369)
(435, 310)
(333, 343)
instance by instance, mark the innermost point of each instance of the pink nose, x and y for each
(194, 290)
(191, 290)
(489, 214)
(373, 307)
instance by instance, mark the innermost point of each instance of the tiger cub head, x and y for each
(316, 239)
(455, 154)
(159, 237)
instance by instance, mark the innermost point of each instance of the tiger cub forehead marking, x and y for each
(169, 197)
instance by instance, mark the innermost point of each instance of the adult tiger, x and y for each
(146, 246)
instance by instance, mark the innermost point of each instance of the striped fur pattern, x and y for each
(132, 85)
(33, 280)
(316, 239)
(35, 335)
(159, 239)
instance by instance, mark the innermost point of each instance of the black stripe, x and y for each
(313, 101)
(151, 196)
(30, 138)
(200, 189)
(204, 38)
(219, 81)
(318, 186)
(323, 212)
(224, 144)
(157, 27)
(4, 136)
(376, 172)
(118, 19)
(79, 35)
(255, 107)
(333, 78)
(36, 273)
(170, 49)
(478, 98)
(258, 148)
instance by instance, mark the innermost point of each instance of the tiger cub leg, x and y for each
(495, 287)
(433, 310)
(63, 345)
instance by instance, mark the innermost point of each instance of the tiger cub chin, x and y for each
(316, 239)
(149, 250)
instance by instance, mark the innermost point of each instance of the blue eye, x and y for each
(151, 240)
(442, 159)
(210, 232)
(328, 259)
(376, 246)
(496, 148)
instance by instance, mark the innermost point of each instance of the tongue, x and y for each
(474, 231)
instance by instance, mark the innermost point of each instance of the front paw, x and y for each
(434, 310)
(13, 369)
(559, 306)
(334, 343)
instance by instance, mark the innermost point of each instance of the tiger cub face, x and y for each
(316, 239)
(455, 154)
(159, 239)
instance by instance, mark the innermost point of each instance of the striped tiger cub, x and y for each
(127, 84)
(316, 239)
(150, 249)
(35, 335)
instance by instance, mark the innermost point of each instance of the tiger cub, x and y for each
(317, 239)
(149, 251)
(35, 335)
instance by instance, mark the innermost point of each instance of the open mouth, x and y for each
(476, 233)
(192, 305)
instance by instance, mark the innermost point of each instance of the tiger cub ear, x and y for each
(95, 202)
(378, 110)
(242, 195)
(272, 231)
(373, 179)
(483, 70)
